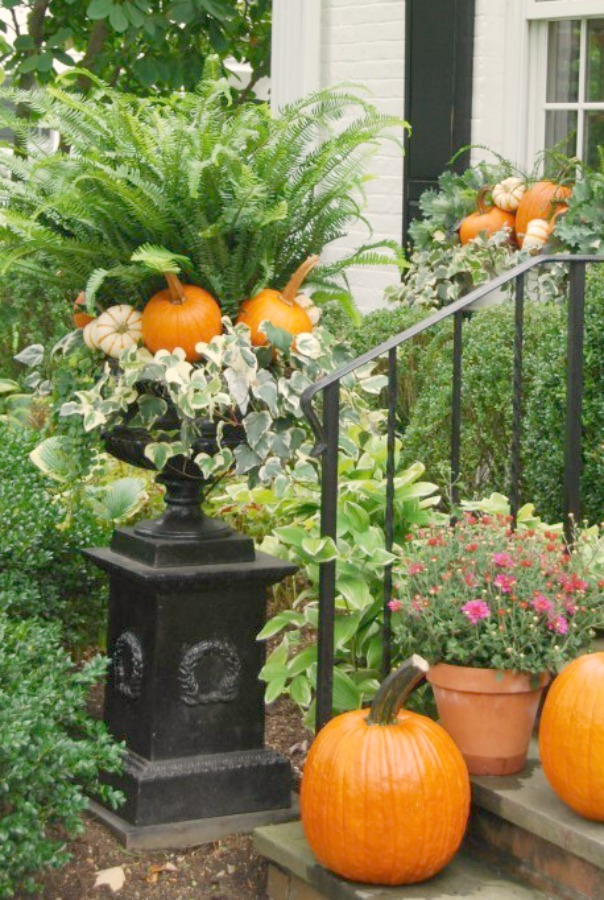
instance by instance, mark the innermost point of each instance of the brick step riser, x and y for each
(556, 872)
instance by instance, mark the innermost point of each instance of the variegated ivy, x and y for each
(232, 383)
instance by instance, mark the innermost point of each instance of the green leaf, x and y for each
(160, 259)
(320, 549)
(119, 501)
(300, 690)
(99, 9)
(7, 386)
(54, 458)
(302, 661)
(279, 622)
(355, 590)
(344, 628)
(118, 19)
(275, 688)
(346, 694)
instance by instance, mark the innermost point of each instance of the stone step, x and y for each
(521, 824)
(294, 874)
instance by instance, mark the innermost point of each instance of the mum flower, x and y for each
(503, 560)
(558, 624)
(475, 610)
(541, 604)
(395, 606)
(505, 583)
(415, 569)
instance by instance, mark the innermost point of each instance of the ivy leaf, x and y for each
(31, 356)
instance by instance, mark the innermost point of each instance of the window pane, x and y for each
(561, 130)
(595, 60)
(564, 41)
(594, 136)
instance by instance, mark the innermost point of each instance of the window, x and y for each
(567, 68)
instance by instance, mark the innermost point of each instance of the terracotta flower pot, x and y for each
(489, 714)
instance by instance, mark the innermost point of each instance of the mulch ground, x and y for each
(229, 869)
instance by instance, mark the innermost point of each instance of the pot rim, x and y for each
(483, 680)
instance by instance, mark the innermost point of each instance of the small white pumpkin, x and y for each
(537, 233)
(88, 333)
(313, 312)
(118, 328)
(508, 193)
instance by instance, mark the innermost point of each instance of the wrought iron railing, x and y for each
(326, 429)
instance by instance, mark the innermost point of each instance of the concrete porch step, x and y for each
(294, 874)
(519, 823)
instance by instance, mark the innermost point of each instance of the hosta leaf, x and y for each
(54, 458)
(346, 694)
(120, 500)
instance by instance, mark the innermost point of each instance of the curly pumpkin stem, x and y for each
(395, 689)
(294, 284)
(484, 192)
(177, 295)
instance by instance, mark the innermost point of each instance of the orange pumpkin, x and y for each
(80, 316)
(571, 736)
(278, 307)
(385, 795)
(486, 220)
(181, 315)
(539, 202)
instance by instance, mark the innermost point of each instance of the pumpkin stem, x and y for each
(484, 192)
(177, 295)
(294, 284)
(394, 690)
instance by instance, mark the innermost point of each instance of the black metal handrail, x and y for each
(326, 430)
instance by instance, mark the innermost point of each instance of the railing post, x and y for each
(389, 514)
(456, 406)
(515, 467)
(327, 574)
(574, 398)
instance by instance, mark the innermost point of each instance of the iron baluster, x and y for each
(389, 513)
(327, 573)
(515, 467)
(456, 406)
(574, 398)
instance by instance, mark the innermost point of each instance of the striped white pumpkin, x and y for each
(118, 328)
(537, 233)
(508, 193)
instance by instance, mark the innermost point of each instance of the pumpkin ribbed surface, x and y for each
(485, 222)
(270, 306)
(168, 324)
(539, 202)
(571, 736)
(384, 804)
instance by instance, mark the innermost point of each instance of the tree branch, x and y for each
(96, 42)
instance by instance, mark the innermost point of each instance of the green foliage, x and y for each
(581, 229)
(30, 313)
(51, 752)
(487, 407)
(136, 45)
(293, 517)
(243, 195)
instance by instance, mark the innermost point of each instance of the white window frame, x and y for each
(539, 15)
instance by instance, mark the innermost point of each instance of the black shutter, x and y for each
(438, 103)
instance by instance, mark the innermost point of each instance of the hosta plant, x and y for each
(244, 196)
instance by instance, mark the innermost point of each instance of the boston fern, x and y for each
(244, 195)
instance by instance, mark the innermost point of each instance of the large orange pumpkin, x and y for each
(278, 307)
(540, 202)
(182, 315)
(486, 220)
(385, 794)
(571, 736)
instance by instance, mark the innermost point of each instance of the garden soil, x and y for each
(229, 869)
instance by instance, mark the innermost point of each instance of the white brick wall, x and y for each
(364, 41)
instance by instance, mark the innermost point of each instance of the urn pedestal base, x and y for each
(182, 689)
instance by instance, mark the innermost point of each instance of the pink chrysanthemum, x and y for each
(505, 583)
(475, 610)
(558, 624)
(503, 560)
(395, 606)
(541, 604)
